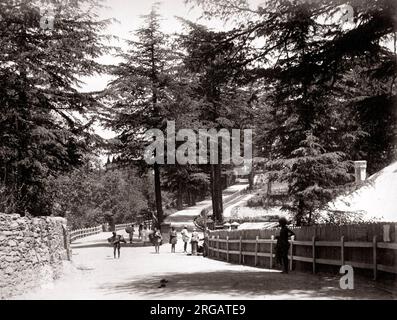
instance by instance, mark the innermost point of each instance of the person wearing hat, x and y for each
(140, 232)
(185, 238)
(173, 239)
(116, 240)
(130, 230)
(157, 237)
(194, 241)
(283, 245)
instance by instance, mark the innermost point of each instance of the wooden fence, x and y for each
(147, 223)
(367, 246)
(85, 232)
(82, 233)
(122, 226)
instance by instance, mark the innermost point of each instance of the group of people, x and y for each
(194, 239)
(156, 238)
(143, 232)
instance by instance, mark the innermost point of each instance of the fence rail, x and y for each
(85, 232)
(122, 226)
(147, 223)
(226, 248)
(82, 233)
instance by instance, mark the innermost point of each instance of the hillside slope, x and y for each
(376, 199)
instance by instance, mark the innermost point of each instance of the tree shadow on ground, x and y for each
(245, 284)
(137, 244)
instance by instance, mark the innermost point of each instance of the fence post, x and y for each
(291, 253)
(217, 246)
(374, 245)
(240, 256)
(395, 232)
(314, 253)
(271, 251)
(227, 248)
(212, 247)
(342, 250)
(209, 246)
(256, 251)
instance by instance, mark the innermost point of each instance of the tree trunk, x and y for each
(193, 199)
(309, 220)
(300, 213)
(218, 203)
(179, 197)
(251, 179)
(220, 189)
(212, 185)
(189, 198)
(157, 192)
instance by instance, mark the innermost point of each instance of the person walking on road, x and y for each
(130, 230)
(116, 240)
(283, 245)
(173, 239)
(185, 238)
(140, 230)
(194, 241)
(157, 237)
(145, 234)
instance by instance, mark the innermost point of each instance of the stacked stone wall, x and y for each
(32, 251)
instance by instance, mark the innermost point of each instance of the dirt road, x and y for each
(137, 274)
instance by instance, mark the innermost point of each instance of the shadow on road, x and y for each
(107, 245)
(245, 285)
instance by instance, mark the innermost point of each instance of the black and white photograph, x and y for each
(209, 152)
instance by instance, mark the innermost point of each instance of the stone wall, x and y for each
(32, 251)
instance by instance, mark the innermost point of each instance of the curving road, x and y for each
(94, 274)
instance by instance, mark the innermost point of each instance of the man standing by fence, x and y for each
(283, 244)
(194, 241)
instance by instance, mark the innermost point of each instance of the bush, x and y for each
(256, 201)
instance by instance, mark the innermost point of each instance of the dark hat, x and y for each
(283, 221)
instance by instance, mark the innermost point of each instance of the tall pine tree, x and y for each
(326, 79)
(139, 97)
(41, 132)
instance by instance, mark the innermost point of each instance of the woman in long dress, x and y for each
(173, 239)
(185, 238)
(157, 240)
(194, 241)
